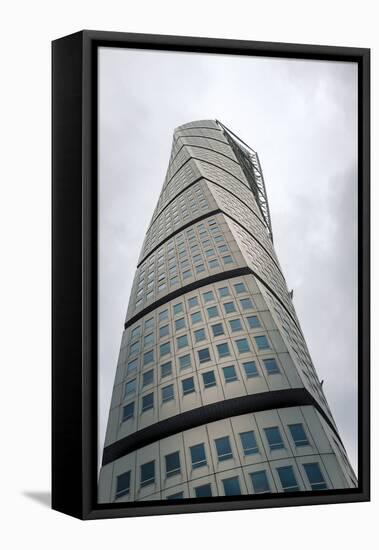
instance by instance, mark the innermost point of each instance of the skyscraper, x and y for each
(215, 392)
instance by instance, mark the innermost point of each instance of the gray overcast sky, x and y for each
(301, 118)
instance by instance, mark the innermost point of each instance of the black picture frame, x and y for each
(74, 271)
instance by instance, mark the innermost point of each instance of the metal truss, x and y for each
(251, 166)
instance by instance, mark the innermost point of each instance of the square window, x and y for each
(128, 411)
(185, 361)
(180, 323)
(149, 323)
(182, 341)
(239, 288)
(223, 292)
(223, 448)
(123, 485)
(204, 355)
(132, 367)
(209, 379)
(134, 348)
(198, 456)
(188, 385)
(209, 252)
(212, 312)
(315, 477)
(136, 332)
(213, 264)
(208, 296)
(223, 248)
(148, 339)
(287, 479)
(274, 439)
(164, 349)
(250, 369)
(167, 393)
(262, 342)
(147, 402)
(178, 308)
(187, 274)
(229, 307)
(230, 374)
(193, 302)
(130, 386)
(223, 350)
(200, 268)
(253, 321)
(260, 482)
(231, 486)
(203, 490)
(249, 443)
(148, 357)
(166, 369)
(163, 315)
(164, 331)
(271, 366)
(199, 335)
(196, 317)
(246, 303)
(172, 461)
(218, 329)
(298, 435)
(235, 325)
(147, 473)
(243, 345)
(148, 377)
(227, 259)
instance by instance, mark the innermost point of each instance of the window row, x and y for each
(202, 299)
(188, 385)
(207, 297)
(179, 210)
(171, 253)
(231, 486)
(174, 276)
(179, 245)
(240, 346)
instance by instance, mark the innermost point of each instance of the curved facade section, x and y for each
(215, 392)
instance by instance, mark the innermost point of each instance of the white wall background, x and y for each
(27, 29)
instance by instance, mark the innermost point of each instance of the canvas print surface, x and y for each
(221, 385)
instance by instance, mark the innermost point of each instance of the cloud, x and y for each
(301, 118)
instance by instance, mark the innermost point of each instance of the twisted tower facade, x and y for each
(215, 392)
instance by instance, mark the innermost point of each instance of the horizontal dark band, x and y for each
(203, 137)
(197, 128)
(206, 162)
(245, 404)
(215, 151)
(179, 230)
(221, 276)
(199, 219)
(217, 277)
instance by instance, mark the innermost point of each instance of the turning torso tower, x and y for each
(215, 392)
